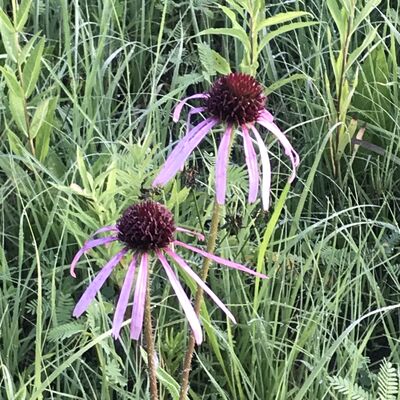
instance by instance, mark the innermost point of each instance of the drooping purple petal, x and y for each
(86, 247)
(182, 263)
(183, 299)
(108, 228)
(289, 150)
(199, 235)
(178, 108)
(123, 298)
(221, 166)
(251, 161)
(267, 115)
(182, 151)
(193, 111)
(266, 164)
(97, 283)
(220, 260)
(139, 299)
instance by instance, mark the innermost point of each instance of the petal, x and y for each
(221, 166)
(251, 161)
(108, 228)
(139, 299)
(86, 247)
(182, 263)
(178, 108)
(183, 299)
(193, 111)
(97, 283)
(123, 298)
(267, 115)
(220, 260)
(289, 151)
(266, 164)
(199, 235)
(182, 151)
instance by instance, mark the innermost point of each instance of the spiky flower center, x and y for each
(236, 98)
(146, 226)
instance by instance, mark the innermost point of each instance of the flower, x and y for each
(145, 229)
(237, 100)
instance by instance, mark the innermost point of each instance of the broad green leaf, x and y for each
(276, 85)
(42, 141)
(212, 62)
(26, 50)
(357, 52)
(9, 36)
(236, 6)
(231, 15)
(234, 32)
(22, 14)
(280, 18)
(14, 141)
(12, 81)
(38, 118)
(364, 13)
(32, 68)
(345, 138)
(17, 108)
(337, 16)
(286, 28)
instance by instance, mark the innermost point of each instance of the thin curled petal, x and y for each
(182, 151)
(193, 111)
(183, 299)
(220, 260)
(221, 166)
(123, 298)
(139, 299)
(266, 165)
(109, 228)
(199, 235)
(86, 247)
(289, 150)
(251, 161)
(267, 115)
(97, 283)
(178, 108)
(182, 263)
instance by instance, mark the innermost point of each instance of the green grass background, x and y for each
(117, 68)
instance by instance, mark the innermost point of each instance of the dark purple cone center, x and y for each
(236, 98)
(146, 226)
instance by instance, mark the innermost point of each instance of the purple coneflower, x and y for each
(237, 100)
(146, 229)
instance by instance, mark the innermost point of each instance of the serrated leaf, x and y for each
(38, 118)
(286, 28)
(17, 108)
(32, 68)
(43, 135)
(9, 36)
(234, 32)
(65, 331)
(280, 18)
(22, 14)
(212, 62)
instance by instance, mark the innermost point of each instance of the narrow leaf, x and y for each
(234, 32)
(280, 18)
(22, 14)
(9, 36)
(17, 108)
(12, 81)
(38, 118)
(32, 68)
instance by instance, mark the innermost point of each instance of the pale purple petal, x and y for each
(182, 151)
(199, 235)
(139, 299)
(182, 263)
(183, 299)
(251, 161)
(108, 228)
(178, 108)
(123, 298)
(86, 247)
(266, 164)
(192, 111)
(289, 151)
(220, 260)
(97, 283)
(221, 166)
(267, 115)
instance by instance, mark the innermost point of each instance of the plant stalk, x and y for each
(212, 240)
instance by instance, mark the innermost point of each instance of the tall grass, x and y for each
(117, 68)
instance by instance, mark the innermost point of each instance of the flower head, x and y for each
(148, 229)
(238, 101)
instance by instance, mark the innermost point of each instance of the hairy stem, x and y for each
(212, 239)
(148, 332)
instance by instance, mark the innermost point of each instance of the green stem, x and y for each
(212, 240)
(148, 332)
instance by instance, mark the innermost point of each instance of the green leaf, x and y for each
(38, 118)
(12, 81)
(276, 85)
(22, 14)
(44, 133)
(234, 32)
(17, 108)
(211, 61)
(16, 145)
(337, 16)
(364, 13)
(280, 18)
(83, 172)
(357, 52)
(9, 36)
(286, 28)
(26, 50)
(32, 68)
